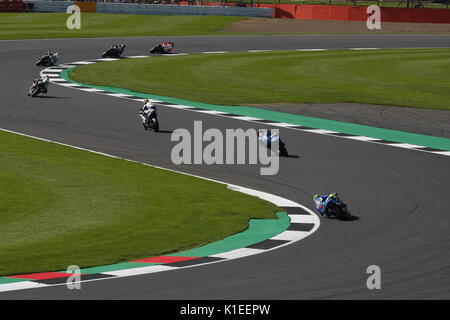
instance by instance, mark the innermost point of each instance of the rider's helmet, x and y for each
(146, 101)
(123, 46)
(315, 196)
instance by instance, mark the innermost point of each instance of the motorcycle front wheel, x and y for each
(34, 91)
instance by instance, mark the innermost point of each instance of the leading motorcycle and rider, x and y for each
(330, 204)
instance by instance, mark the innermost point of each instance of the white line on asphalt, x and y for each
(20, 285)
(290, 235)
(138, 271)
(302, 218)
(321, 131)
(238, 253)
(404, 145)
(361, 138)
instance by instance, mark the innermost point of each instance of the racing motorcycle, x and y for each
(114, 52)
(266, 138)
(164, 48)
(37, 87)
(48, 60)
(151, 122)
(336, 207)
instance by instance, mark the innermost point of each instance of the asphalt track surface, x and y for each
(400, 196)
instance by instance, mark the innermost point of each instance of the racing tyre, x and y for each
(283, 150)
(155, 125)
(343, 213)
(108, 53)
(34, 91)
(45, 61)
(157, 49)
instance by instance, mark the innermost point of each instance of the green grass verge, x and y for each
(61, 206)
(412, 77)
(14, 26)
(53, 25)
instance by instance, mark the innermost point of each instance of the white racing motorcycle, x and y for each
(266, 138)
(150, 119)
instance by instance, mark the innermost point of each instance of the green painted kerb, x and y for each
(258, 230)
(343, 127)
(4, 280)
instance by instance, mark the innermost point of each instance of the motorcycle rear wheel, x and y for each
(283, 151)
(155, 125)
(343, 213)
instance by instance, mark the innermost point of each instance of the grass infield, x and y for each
(61, 206)
(400, 77)
(53, 25)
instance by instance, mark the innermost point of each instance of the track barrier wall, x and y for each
(388, 14)
(287, 11)
(156, 9)
(87, 6)
(48, 6)
(182, 10)
(11, 6)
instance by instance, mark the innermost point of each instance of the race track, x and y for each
(398, 195)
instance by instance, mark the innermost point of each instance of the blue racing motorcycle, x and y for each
(334, 206)
(114, 52)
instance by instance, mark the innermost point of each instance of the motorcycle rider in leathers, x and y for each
(147, 109)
